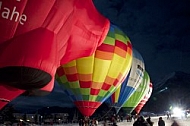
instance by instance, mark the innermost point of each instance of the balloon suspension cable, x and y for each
(4, 100)
(105, 113)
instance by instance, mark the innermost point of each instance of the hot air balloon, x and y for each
(91, 80)
(144, 100)
(138, 95)
(36, 37)
(7, 94)
(130, 84)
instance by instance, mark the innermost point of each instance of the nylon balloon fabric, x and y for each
(36, 37)
(89, 81)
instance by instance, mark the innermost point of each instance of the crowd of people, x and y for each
(88, 122)
(141, 121)
(138, 121)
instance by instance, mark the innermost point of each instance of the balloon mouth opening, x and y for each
(25, 78)
(87, 108)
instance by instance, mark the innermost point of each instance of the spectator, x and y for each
(175, 123)
(149, 121)
(81, 123)
(161, 122)
(141, 122)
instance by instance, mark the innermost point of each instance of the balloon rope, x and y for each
(105, 113)
(4, 100)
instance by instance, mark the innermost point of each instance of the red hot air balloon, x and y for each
(36, 37)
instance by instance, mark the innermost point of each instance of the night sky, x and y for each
(159, 30)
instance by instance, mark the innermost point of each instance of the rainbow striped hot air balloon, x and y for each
(138, 95)
(132, 81)
(91, 80)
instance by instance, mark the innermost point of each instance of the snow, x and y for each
(168, 122)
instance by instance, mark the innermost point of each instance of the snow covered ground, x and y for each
(168, 122)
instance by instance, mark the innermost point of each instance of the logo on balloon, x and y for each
(12, 13)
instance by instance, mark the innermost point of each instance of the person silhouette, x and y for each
(149, 121)
(141, 122)
(175, 123)
(161, 122)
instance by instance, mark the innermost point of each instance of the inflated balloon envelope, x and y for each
(37, 36)
(89, 81)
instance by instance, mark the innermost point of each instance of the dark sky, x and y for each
(158, 29)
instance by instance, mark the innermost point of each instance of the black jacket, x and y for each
(141, 123)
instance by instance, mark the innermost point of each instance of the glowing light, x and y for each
(177, 112)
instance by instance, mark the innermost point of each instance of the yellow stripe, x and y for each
(116, 66)
(117, 92)
(85, 65)
(127, 64)
(101, 68)
(70, 64)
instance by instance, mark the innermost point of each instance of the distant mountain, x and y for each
(57, 97)
(172, 90)
(163, 80)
